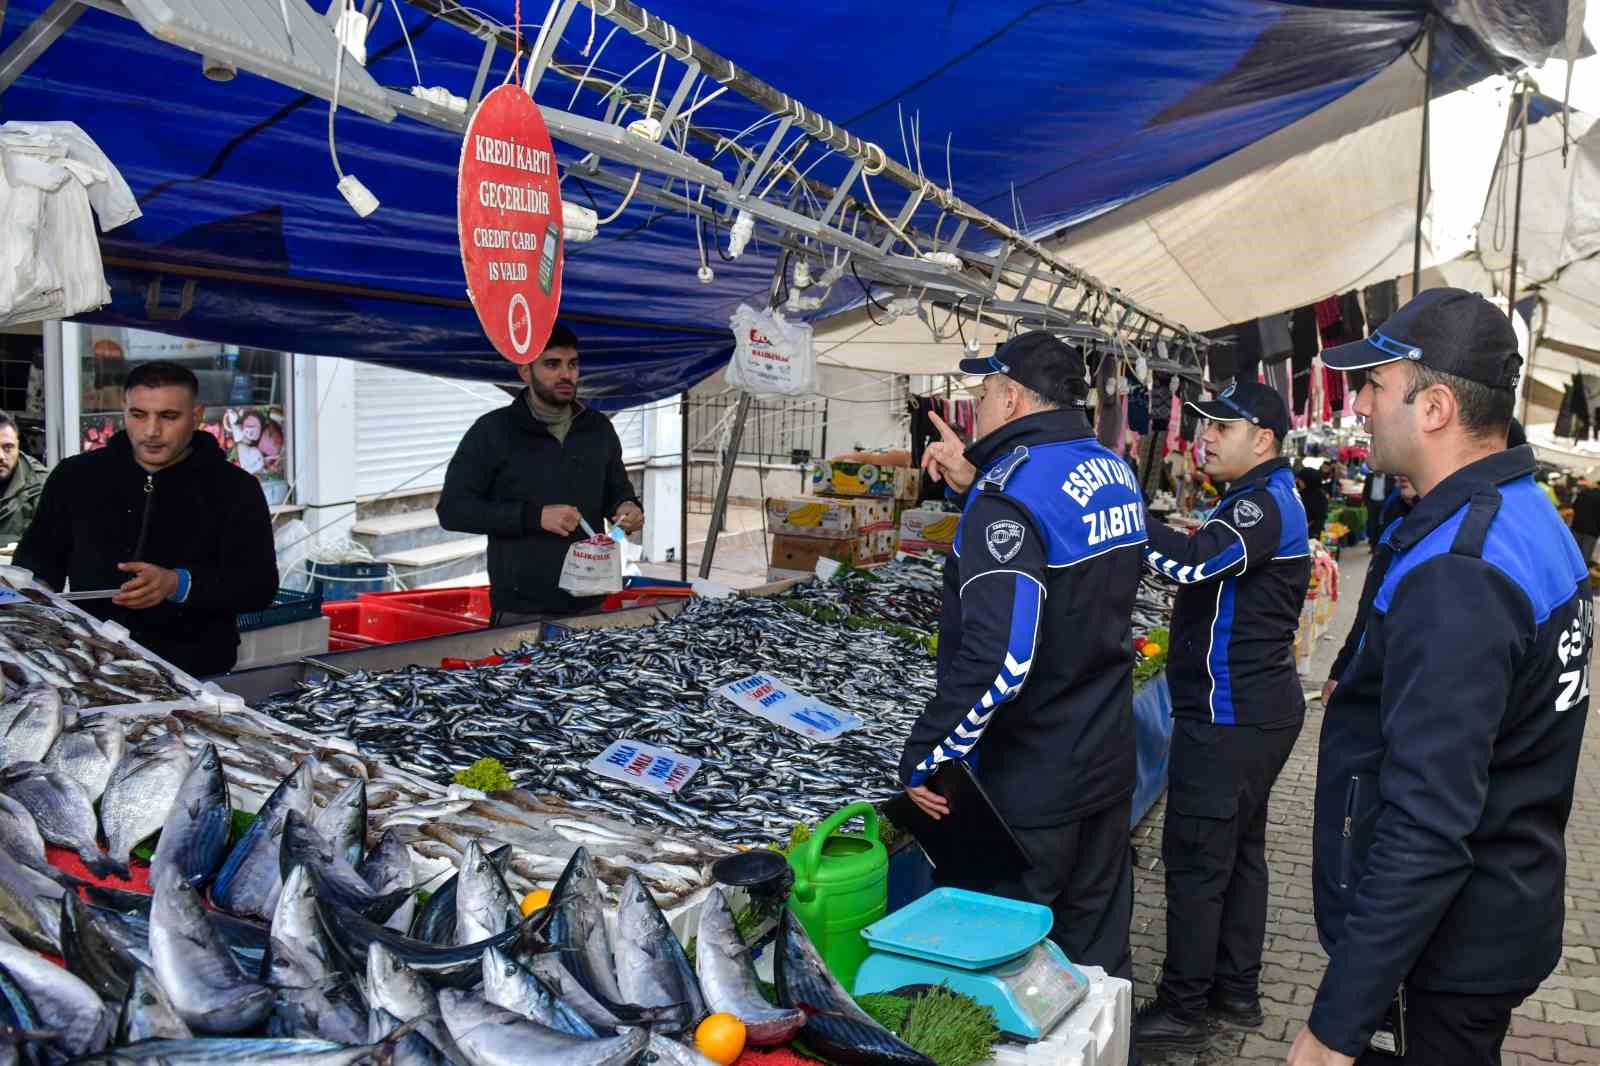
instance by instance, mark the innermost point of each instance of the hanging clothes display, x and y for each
(1333, 386)
(1327, 310)
(1188, 421)
(1277, 375)
(1382, 300)
(1108, 424)
(1222, 358)
(1304, 332)
(1247, 361)
(1350, 319)
(1276, 341)
(1301, 386)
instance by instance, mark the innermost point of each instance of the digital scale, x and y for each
(992, 949)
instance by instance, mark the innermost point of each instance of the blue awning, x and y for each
(1061, 109)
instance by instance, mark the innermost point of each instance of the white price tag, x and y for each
(778, 703)
(644, 765)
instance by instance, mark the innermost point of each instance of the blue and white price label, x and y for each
(11, 596)
(782, 705)
(646, 766)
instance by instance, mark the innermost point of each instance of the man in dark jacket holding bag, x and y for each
(528, 475)
(161, 517)
(1450, 744)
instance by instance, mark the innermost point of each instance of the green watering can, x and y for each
(841, 886)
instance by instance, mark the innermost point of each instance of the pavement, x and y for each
(1558, 1024)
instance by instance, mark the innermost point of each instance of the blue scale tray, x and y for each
(968, 930)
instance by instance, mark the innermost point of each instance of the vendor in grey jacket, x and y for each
(1450, 745)
(525, 474)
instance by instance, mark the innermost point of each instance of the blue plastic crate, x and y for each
(287, 606)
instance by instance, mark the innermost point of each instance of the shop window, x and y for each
(243, 390)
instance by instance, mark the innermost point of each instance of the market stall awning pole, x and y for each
(683, 486)
(1516, 210)
(1422, 159)
(719, 508)
(39, 35)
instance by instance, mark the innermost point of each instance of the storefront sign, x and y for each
(508, 215)
(644, 765)
(763, 695)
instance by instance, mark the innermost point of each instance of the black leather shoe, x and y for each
(1155, 1027)
(1236, 1009)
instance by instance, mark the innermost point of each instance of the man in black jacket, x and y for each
(1035, 674)
(1449, 749)
(528, 474)
(160, 515)
(1237, 709)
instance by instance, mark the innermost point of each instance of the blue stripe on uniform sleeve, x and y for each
(1026, 603)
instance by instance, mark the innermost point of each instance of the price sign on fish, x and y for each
(508, 218)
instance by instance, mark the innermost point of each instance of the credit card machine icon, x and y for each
(547, 256)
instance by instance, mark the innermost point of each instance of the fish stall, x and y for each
(185, 877)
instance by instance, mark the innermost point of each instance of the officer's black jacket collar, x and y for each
(1257, 477)
(1451, 494)
(1041, 427)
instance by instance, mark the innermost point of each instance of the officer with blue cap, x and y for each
(1035, 673)
(1450, 744)
(1237, 709)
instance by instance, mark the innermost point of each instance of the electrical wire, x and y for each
(406, 33)
(333, 104)
(626, 200)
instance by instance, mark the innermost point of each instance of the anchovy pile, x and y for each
(559, 704)
(908, 593)
(42, 643)
(316, 947)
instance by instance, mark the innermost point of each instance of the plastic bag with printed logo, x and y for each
(772, 356)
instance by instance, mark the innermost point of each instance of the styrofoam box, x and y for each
(1095, 1033)
(285, 643)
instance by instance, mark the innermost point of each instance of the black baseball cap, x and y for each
(1452, 331)
(1247, 401)
(1038, 360)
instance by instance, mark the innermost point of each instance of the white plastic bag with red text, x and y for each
(593, 567)
(771, 355)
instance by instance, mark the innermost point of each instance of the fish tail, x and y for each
(103, 865)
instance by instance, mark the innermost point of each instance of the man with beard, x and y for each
(528, 476)
(1450, 742)
(21, 480)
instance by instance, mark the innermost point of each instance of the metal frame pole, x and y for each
(683, 486)
(719, 509)
(1422, 162)
(1516, 216)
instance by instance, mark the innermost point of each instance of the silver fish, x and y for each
(30, 905)
(65, 1003)
(728, 977)
(148, 1013)
(251, 876)
(195, 838)
(141, 792)
(298, 955)
(484, 905)
(236, 1050)
(410, 1050)
(194, 966)
(89, 753)
(344, 821)
(394, 987)
(493, 1036)
(506, 984)
(29, 724)
(669, 1052)
(652, 969)
(332, 1011)
(64, 814)
(19, 837)
(386, 868)
(578, 929)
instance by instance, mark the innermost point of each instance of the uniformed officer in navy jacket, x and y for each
(1035, 675)
(1237, 708)
(1450, 745)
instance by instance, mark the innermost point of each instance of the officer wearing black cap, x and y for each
(1237, 709)
(1035, 674)
(1449, 748)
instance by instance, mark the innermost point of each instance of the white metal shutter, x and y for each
(408, 426)
(629, 425)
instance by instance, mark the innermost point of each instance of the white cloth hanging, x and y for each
(52, 175)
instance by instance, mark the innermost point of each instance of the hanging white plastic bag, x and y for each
(771, 355)
(593, 567)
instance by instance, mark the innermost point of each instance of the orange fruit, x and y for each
(1152, 650)
(535, 901)
(720, 1038)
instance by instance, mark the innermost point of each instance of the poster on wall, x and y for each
(254, 437)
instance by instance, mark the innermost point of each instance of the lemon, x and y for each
(720, 1038)
(535, 900)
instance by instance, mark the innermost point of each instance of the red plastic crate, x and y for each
(364, 623)
(470, 602)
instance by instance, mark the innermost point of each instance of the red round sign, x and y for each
(508, 217)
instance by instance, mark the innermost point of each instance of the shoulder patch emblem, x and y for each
(1004, 539)
(1247, 514)
(1001, 471)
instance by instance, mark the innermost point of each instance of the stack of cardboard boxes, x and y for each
(849, 517)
